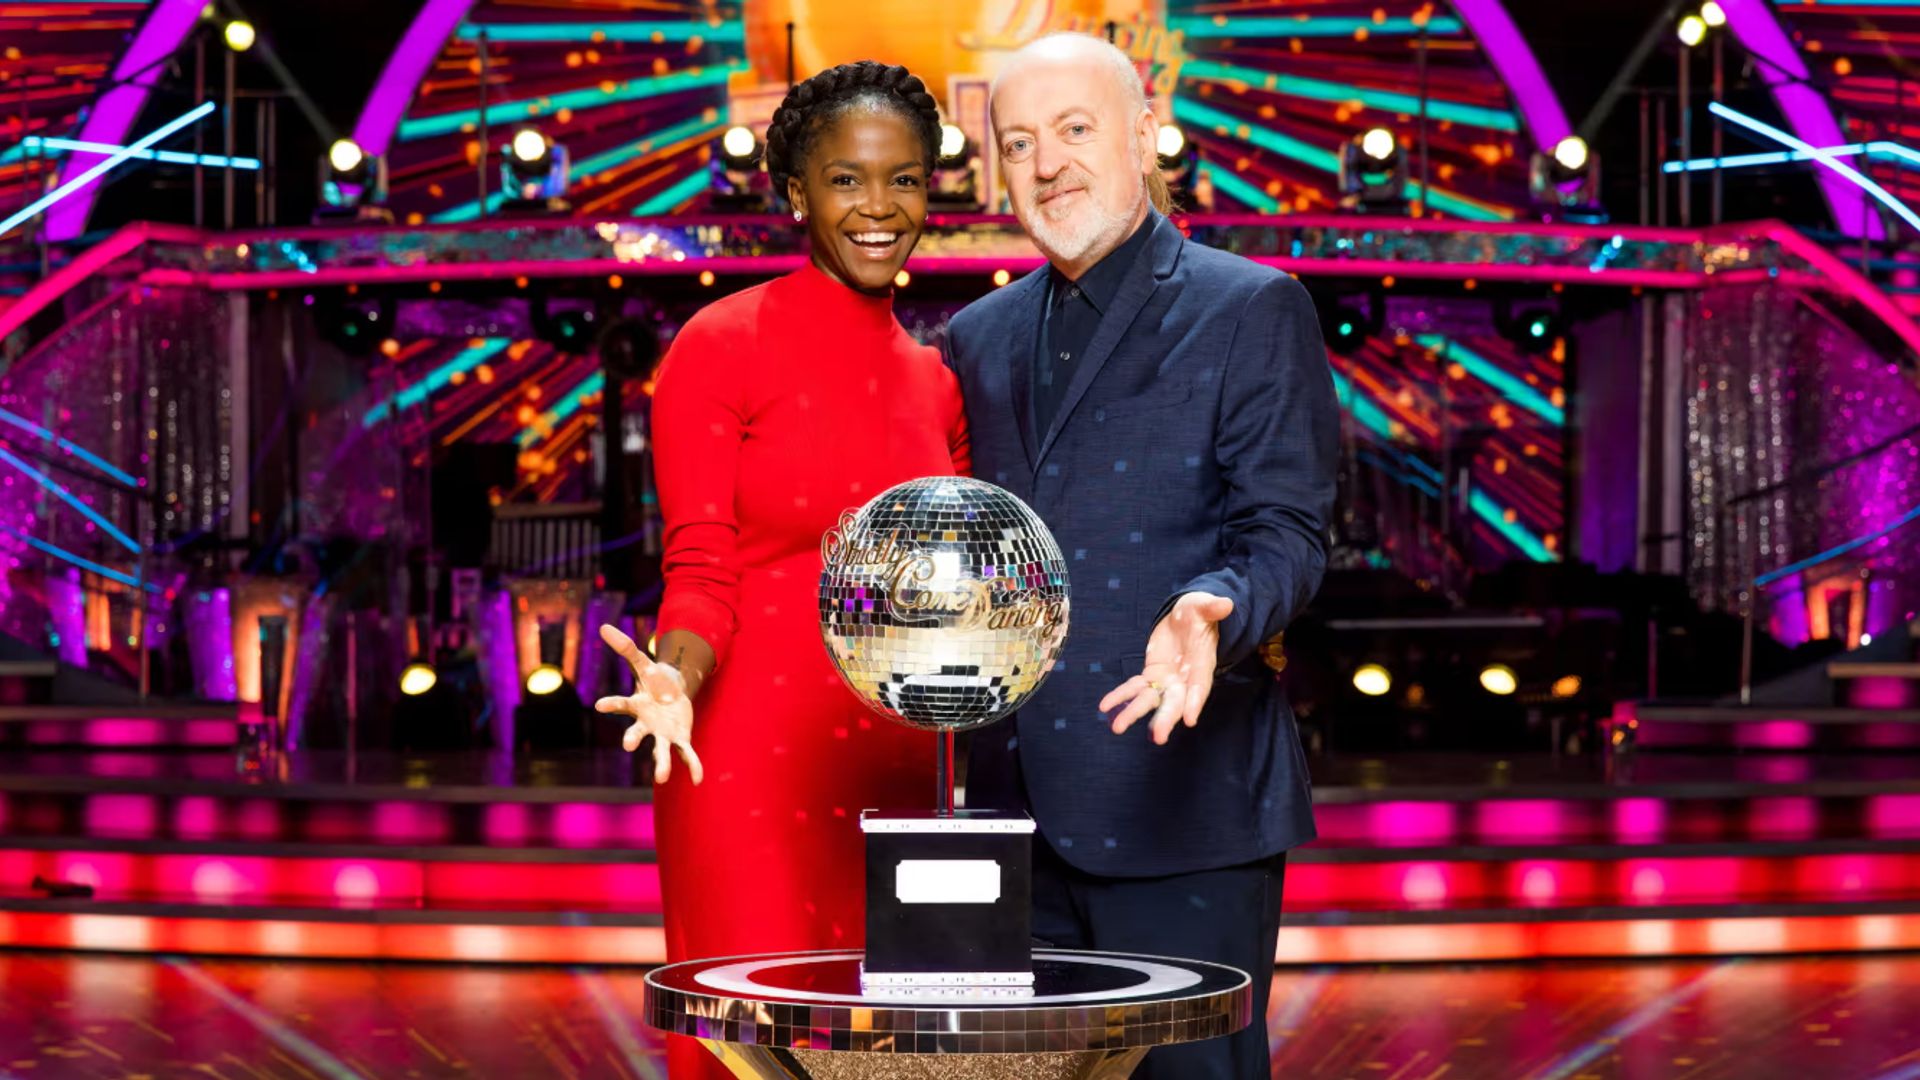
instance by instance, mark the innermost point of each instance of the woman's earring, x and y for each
(798, 216)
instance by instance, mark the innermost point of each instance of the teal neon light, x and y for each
(1233, 184)
(1374, 419)
(10, 417)
(587, 166)
(53, 147)
(683, 189)
(1206, 116)
(562, 409)
(677, 31)
(512, 112)
(1305, 26)
(59, 491)
(469, 358)
(1512, 388)
(84, 564)
(1321, 90)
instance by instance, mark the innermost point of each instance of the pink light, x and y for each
(122, 816)
(1424, 884)
(1648, 884)
(1639, 821)
(1411, 824)
(1539, 885)
(1893, 816)
(506, 824)
(404, 823)
(1795, 818)
(356, 882)
(578, 825)
(1511, 820)
(259, 820)
(216, 880)
(1773, 735)
(1881, 692)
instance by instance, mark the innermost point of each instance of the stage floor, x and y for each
(86, 1016)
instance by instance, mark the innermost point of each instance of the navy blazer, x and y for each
(1195, 451)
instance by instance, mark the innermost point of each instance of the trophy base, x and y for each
(949, 899)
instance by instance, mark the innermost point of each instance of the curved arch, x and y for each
(408, 63)
(1804, 108)
(167, 24)
(1507, 51)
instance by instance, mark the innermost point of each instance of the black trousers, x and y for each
(1229, 916)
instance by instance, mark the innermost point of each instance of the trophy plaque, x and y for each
(943, 603)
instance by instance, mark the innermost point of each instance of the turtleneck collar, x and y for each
(829, 300)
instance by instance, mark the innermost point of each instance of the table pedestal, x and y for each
(767, 1063)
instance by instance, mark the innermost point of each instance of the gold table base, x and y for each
(765, 1063)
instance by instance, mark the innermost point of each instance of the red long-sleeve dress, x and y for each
(775, 410)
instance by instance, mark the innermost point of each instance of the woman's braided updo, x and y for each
(814, 104)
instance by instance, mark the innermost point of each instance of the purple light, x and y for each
(67, 608)
(113, 115)
(406, 66)
(1489, 23)
(1806, 111)
(209, 618)
(499, 665)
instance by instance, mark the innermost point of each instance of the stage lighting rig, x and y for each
(355, 324)
(1373, 173)
(955, 183)
(740, 183)
(353, 185)
(1565, 184)
(571, 325)
(533, 174)
(1532, 327)
(1179, 161)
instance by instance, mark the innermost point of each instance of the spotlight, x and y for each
(1565, 184)
(1347, 327)
(239, 35)
(570, 325)
(1378, 144)
(741, 147)
(1373, 173)
(954, 145)
(352, 184)
(1498, 679)
(355, 325)
(1571, 153)
(1566, 686)
(1713, 14)
(740, 183)
(955, 183)
(544, 680)
(1372, 680)
(1170, 141)
(345, 155)
(533, 174)
(1533, 328)
(417, 679)
(1692, 30)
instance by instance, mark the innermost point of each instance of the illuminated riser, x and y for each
(1550, 883)
(387, 821)
(1616, 821)
(1780, 735)
(1501, 822)
(226, 879)
(635, 886)
(644, 945)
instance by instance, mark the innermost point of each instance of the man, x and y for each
(1167, 409)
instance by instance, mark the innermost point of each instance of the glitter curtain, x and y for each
(1784, 402)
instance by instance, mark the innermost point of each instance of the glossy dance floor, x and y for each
(103, 1016)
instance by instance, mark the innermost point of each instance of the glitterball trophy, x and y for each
(943, 603)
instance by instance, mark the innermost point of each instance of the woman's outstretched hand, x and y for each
(659, 707)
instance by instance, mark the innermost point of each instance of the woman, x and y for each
(776, 409)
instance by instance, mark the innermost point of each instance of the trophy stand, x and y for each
(943, 773)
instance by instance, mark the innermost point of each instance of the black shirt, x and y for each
(1074, 309)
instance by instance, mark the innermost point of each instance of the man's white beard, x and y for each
(1093, 229)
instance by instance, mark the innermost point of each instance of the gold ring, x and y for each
(1153, 686)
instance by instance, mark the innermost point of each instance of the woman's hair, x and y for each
(811, 106)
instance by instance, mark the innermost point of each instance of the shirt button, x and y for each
(1066, 356)
(1074, 293)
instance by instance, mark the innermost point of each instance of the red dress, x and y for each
(776, 409)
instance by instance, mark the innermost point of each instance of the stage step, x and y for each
(1636, 725)
(154, 725)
